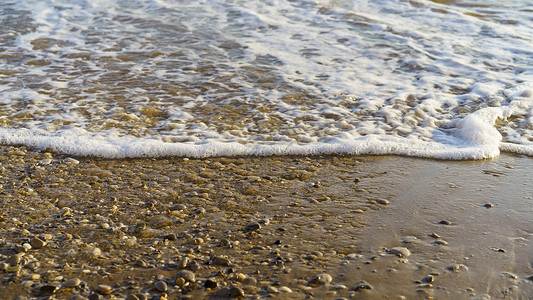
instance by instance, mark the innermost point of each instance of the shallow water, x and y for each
(441, 79)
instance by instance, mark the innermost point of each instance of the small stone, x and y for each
(45, 161)
(95, 296)
(141, 263)
(382, 201)
(434, 235)
(457, 268)
(193, 266)
(221, 261)
(178, 207)
(440, 243)
(530, 277)
(210, 284)
(285, 289)
(13, 269)
(320, 279)
(488, 205)
(409, 239)
(180, 282)
(428, 279)
(249, 281)
(252, 226)
(72, 283)
(71, 161)
(35, 276)
(37, 243)
(362, 285)
(49, 289)
(171, 237)
(187, 275)
(161, 286)
(400, 251)
(199, 211)
(14, 259)
(183, 263)
(224, 243)
(445, 222)
(240, 276)
(104, 289)
(236, 292)
(272, 290)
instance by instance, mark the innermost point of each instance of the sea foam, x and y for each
(267, 77)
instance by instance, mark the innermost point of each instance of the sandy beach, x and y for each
(324, 227)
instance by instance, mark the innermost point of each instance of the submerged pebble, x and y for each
(362, 285)
(320, 279)
(400, 251)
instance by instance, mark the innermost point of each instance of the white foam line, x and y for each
(127, 147)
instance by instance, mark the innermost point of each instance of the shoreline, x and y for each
(264, 227)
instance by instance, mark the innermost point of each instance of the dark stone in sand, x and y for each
(161, 286)
(210, 284)
(319, 279)
(236, 292)
(171, 237)
(252, 226)
(47, 290)
(445, 222)
(488, 205)
(95, 296)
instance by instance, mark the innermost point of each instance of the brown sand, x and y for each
(265, 226)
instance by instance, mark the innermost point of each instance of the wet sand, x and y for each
(76, 228)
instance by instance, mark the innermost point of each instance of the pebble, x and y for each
(171, 237)
(183, 263)
(457, 268)
(71, 161)
(104, 289)
(37, 243)
(409, 239)
(362, 285)
(445, 222)
(434, 235)
(252, 226)
(199, 211)
(210, 284)
(382, 201)
(14, 259)
(186, 275)
(320, 279)
(428, 279)
(249, 281)
(178, 207)
(530, 277)
(161, 286)
(440, 243)
(221, 261)
(236, 292)
(400, 251)
(71, 283)
(488, 205)
(285, 289)
(272, 290)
